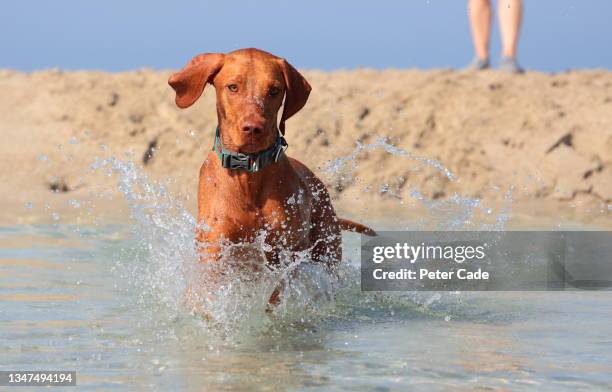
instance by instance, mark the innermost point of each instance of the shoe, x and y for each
(478, 64)
(509, 64)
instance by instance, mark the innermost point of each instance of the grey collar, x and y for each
(251, 163)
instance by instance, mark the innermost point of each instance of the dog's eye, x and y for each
(232, 87)
(273, 91)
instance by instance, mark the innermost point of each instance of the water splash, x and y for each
(337, 164)
(453, 213)
(162, 229)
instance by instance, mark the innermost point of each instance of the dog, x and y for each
(248, 185)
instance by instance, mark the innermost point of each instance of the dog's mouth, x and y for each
(254, 143)
(252, 148)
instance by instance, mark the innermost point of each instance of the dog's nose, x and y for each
(252, 127)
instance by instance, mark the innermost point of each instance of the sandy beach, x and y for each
(537, 145)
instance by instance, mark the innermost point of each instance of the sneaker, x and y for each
(478, 64)
(509, 64)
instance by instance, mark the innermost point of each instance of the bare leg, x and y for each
(510, 16)
(480, 21)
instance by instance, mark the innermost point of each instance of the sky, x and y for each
(116, 35)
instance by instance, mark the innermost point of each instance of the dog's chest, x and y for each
(282, 216)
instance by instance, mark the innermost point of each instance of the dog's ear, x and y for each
(296, 95)
(189, 83)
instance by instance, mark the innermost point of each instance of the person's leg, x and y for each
(510, 16)
(480, 21)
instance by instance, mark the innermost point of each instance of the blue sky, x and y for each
(117, 35)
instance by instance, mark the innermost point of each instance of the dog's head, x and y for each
(250, 86)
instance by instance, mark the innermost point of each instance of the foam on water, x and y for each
(229, 299)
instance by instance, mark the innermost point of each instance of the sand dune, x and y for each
(538, 142)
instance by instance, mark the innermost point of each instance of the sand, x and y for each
(535, 145)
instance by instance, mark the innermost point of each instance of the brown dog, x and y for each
(248, 186)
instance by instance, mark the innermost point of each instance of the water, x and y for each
(109, 302)
(66, 306)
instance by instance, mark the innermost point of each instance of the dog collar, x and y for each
(251, 163)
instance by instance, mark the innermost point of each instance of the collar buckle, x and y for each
(235, 161)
